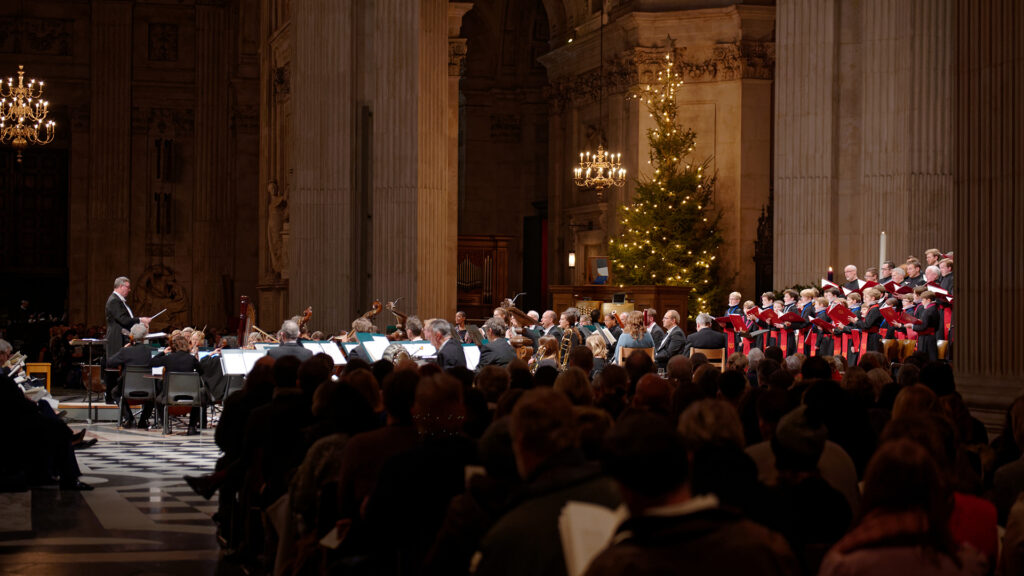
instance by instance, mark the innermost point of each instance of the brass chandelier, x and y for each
(23, 114)
(603, 170)
(600, 171)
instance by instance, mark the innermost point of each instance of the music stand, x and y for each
(89, 343)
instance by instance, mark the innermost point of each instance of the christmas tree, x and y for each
(670, 232)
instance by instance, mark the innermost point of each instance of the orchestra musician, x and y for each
(449, 352)
(135, 353)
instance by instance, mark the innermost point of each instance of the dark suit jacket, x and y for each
(451, 355)
(290, 349)
(946, 282)
(706, 338)
(657, 333)
(498, 352)
(137, 354)
(118, 319)
(671, 345)
(177, 361)
(851, 285)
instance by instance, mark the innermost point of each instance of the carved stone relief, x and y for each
(282, 81)
(457, 56)
(163, 42)
(157, 289)
(631, 68)
(50, 36)
(278, 224)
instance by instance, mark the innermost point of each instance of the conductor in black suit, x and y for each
(704, 337)
(120, 319)
(497, 351)
(449, 352)
(673, 342)
(289, 336)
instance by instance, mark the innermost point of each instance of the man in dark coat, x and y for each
(526, 539)
(497, 351)
(668, 528)
(704, 337)
(289, 336)
(119, 320)
(449, 351)
(136, 354)
(673, 342)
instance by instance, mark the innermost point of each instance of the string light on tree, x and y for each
(682, 252)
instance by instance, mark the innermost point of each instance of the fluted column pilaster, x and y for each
(321, 270)
(989, 96)
(212, 214)
(109, 151)
(804, 142)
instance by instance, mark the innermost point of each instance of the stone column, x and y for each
(212, 205)
(456, 68)
(320, 264)
(110, 154)
(804, 138)
(863, 133)
(989, 211)
(414, 237)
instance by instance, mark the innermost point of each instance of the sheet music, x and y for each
(264, 346)
(350, 346)
(332, 350)
(420, 349)
(158, 371)
(376, 348)
(472, 352)
(251, 357)
(608, 336)
(232, 362)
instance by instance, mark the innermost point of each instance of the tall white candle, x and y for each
(881, 251)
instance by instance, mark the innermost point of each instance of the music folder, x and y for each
(892, 288)
(790, 317)
(768, 315)
(823, 324)
(840, 314)
(894, 316)
(733, 321)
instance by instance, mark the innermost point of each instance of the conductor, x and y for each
(119, 320)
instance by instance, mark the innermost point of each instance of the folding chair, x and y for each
(138, 387)
(627, 351)
(181, 389)
(715, 356)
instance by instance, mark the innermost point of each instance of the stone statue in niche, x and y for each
(277, 228)
(158, 289)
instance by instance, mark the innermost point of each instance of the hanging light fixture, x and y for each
(22, 114)
(603, 170)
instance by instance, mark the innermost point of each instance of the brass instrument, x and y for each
(564, 346)
(399, 333)
(541, 351)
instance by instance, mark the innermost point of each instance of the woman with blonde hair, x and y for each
(599, 347)
(635, 335)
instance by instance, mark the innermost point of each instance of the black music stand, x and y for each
(89, 343)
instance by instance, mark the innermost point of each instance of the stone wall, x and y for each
(161, 106)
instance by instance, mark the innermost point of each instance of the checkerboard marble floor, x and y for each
(141, 518)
